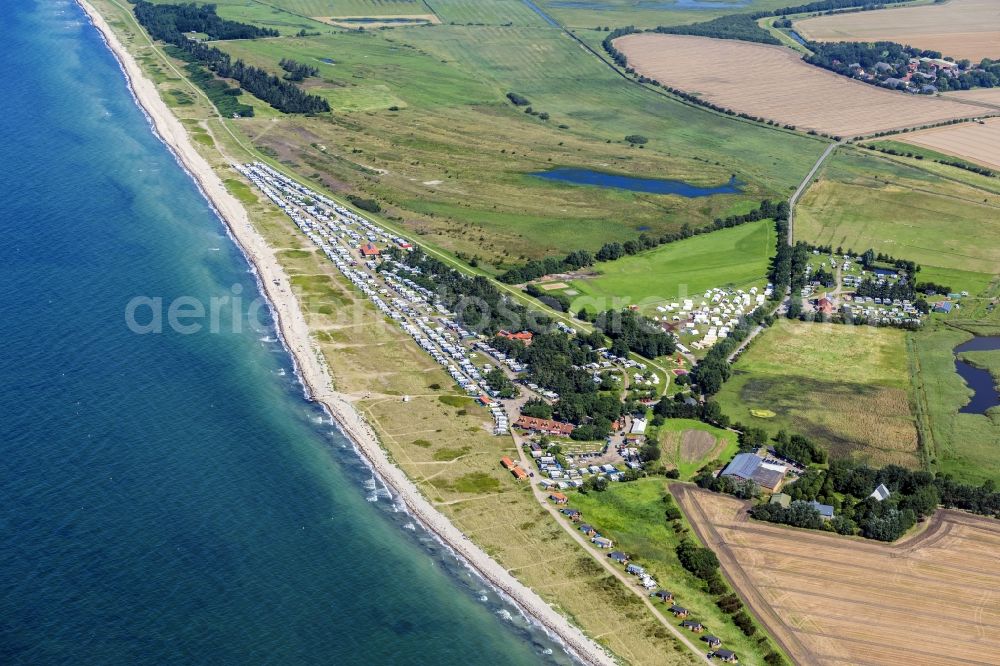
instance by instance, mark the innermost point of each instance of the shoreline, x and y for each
(311, 367)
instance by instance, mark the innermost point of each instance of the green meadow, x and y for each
(861, 200)
(964, 445)
(618, 13)
(735, 257)
(421, 122)
(845, 386)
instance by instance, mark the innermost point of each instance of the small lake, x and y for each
(981, 381)
(623, 182)
(797, 37)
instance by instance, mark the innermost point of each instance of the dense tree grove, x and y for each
(637, 333)
(168, 23)
(737, 26)
(824, 6)
(297, 71)
(518, 100)
(798, 448)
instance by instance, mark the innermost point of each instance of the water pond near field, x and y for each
(985, 394)
(650, 185)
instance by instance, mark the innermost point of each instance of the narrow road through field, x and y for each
(627, 580)
(802, 188)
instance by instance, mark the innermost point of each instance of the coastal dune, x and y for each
(311, 365)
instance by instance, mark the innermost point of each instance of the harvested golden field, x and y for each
(697, 444)
(959, 28)
(930, 599)
(973, 141)
(989, 97)
(774, 83)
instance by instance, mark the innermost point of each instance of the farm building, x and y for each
(825, 510)
(751, 467)
(943, 307)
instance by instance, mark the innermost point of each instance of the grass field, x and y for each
(957, 28)
(736, 257)
(774, 83)
(845, 386)
(452, 161)
(648, 13)
(689, 445)
(864, 201)
(632, 515)
(934, 602)
(961, 444)
(977, 142)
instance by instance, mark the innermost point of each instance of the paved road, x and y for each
(802, 188)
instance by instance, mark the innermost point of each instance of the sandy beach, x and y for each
(311, 365)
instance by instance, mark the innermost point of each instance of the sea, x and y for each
(172, 497)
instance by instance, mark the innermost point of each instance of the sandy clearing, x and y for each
(936, 600)
(959, 28)
(976, 142)
(554, 285)
(773, 82)
(310, 363)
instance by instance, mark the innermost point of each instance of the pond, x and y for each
(623, 182)
(985, 394)
(797, 37)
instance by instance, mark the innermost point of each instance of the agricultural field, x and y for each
(736, 257)
(689, 445)
(935, 601)
(989, 97)
(957, 28)
(947, 225)
(844, 386)
(958, 443)
(648, 13)
(632, 515)
(978, 142)
(774, 83)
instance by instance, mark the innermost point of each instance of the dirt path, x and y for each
(627, 580)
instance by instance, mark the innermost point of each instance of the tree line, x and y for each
(736, 26)
(168, 23)
(974, 168)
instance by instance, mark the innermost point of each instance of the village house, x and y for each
(572, 514)
(619, 557)
(664, 595)
(692, 625)
(588, 529)
(602, 542)
(519, 473)
(678, 611)
(369, 250)
(523, 336)
(547, 426)
(825, 510)
(781, 499)
(713, 641)
(558, 498)
(881, 493)
(727, 656)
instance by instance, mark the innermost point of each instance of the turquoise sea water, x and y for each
(172, 498)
